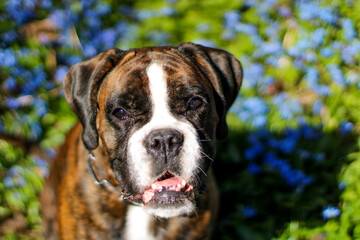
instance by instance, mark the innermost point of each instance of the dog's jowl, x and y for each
(138, 165)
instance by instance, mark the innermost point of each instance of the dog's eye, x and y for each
(120, 114)
(195, 103)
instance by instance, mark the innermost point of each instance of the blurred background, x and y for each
(290, 167)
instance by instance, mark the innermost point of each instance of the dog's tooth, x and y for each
(179, 185)
(183, 183)
(153, 186)
(172, 188)
(189, 188)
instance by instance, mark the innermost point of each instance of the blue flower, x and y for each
(350, 51)
(20, 11)
(255, 105)
(292, 177)
(37, 77)
(272, 31)
(270, 48)
(319, 157)
(12, 103)
(159, 38)
(352, 77)
(342, 185)
(312, 76)
(288, 107)
(60, 73)
(349, 30)
(205, 42)
(42, 167)
(300, 48)
(121, 28)
(9, 36)
(35, 130)
(102, 9)
(260, 121)
(309, 132)
(145, 14)
(88, 3)
(284, 11)
(107, 38)
(249, 212)
(14, 177)
(310, 57)
(231, 19)
(166, 11)
(322, 90)
(71, 60)
(246, 28)
(46, 4)
(60, 18)
(10, 83)
(326, 52)
(318, 36)
(303, 154)
(327, 15)
(89, 51)
(7, 58)
(251, 110)
(254, 168)
(330, 212)
(126, 10)
(204, 27)
(317, 107)
(41, 107)
(346, 127)
(94, 22)
(336, 73)
(254, 151)
(253, 75)
(287, 145)
(308, 10)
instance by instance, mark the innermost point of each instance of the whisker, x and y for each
(202, 171)
(204, 140)
(195, 212)
(197, 179)
(158, 218)
(207, 156)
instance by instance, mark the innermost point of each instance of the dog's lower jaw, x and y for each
(169, 212)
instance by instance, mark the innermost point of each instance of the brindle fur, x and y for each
(73, 206)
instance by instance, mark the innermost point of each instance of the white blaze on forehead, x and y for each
(162, 118)
(158, 91)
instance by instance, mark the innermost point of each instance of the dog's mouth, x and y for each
(168, 189)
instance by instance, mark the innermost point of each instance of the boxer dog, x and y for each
(137, 166)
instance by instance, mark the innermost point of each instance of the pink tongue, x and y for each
(169, 182)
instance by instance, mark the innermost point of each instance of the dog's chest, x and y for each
(138, 224)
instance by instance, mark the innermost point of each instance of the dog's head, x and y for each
(155, 113)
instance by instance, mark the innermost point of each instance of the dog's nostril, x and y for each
(176, 140)
(155, 143)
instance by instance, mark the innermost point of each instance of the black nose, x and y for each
(164, 144)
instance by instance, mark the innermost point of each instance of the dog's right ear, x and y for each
(81, 86)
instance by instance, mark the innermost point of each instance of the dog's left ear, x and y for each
(81, 85)
(225, 74)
